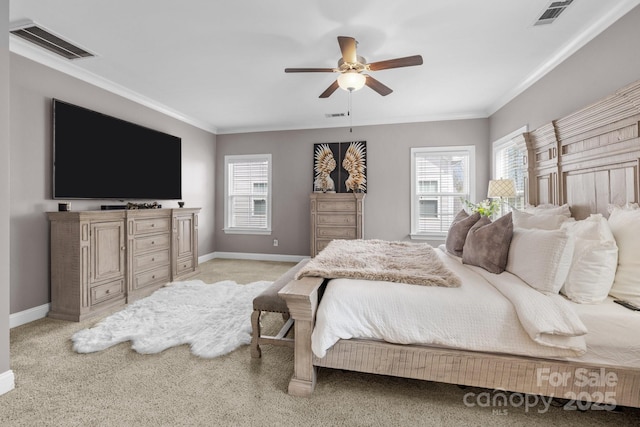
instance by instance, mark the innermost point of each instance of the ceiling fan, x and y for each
(351, 67)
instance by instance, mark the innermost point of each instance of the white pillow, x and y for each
(625, 225)
(541, 258)
(594, 263)
(626, 206)
(549, 209)
(546, 222)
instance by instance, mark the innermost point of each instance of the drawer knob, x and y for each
(153, 259)
(153, 243)
(108, 290)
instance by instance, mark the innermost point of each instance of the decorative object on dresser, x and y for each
(212, 318)
(340, 167)
(335, 216)
(102, 259)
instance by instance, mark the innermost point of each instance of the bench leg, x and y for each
(256, 353)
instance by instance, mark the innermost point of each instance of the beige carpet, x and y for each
(119, 387)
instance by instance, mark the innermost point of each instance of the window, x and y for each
(248, 194)
(509, 162)
(440, 182)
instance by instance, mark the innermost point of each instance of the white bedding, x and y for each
(476, 316)
(613, 337)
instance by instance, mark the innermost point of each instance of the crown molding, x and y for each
(617, 11)
(41, 56)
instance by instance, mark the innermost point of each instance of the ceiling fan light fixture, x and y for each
(351, 80)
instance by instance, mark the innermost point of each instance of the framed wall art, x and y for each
(340, 167)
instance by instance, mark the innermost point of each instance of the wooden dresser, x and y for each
(102, 259)
(335, 216)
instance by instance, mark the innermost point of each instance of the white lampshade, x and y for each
(351, 80)
(501, 188)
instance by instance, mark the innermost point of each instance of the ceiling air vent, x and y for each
(552, 12)
(46, 39)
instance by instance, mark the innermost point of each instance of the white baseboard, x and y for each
(29, 315)
(257, 257)
(7, 382)
(207, 257)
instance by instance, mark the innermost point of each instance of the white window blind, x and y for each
(509, 162)
(248, 194)
(440, 182)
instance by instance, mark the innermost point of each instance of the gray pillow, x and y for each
(487, 244)
(457, 234)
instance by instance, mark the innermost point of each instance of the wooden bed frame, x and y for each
(588, 159)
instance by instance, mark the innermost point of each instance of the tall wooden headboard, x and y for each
(588, 159)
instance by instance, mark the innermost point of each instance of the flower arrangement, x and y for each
(485, 208)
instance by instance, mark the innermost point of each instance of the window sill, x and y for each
(262, 232)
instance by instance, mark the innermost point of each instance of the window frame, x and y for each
(248, 158)
(470, 150)
(498, 145)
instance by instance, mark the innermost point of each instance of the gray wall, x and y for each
(4, 187)
(607, 63)
(32, 86)
(387, 203)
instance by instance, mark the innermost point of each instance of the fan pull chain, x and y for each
(349, 113)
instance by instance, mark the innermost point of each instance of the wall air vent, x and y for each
(552, 12)
(44, 38)
(332, 115)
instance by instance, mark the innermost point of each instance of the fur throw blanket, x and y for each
(404, 262)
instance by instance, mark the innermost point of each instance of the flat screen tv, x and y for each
(96, 156)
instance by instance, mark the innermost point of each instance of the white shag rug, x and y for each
(213, 319)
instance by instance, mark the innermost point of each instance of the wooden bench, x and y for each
(269, 301)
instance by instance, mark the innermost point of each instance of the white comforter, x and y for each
(489, 312)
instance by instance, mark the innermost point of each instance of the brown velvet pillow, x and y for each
(487, 244)
(457, 234)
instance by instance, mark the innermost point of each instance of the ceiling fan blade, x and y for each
(377, 86)
(407, 61)
(309, 70)
(327, 93)
(348, 49)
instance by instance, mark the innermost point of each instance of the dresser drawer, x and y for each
(184, 265)
(106, 291)
(151, 260)
(336, 233)
(336, 219)
(152, 225)
(321, 244)
(336, 205)
(150, 277)
(158, 241)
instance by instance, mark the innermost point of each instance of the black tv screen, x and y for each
(96, 156)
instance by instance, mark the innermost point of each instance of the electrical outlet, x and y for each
(275, 242)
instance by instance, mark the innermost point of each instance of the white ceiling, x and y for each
(219, 65)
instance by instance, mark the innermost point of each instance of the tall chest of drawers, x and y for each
(335, 216)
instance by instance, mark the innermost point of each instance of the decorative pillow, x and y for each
(549, 209)
(594, 263)
(457, 234)
(487, 243)
(626, 206)
(546, 222)
(541, 258)
(625, 225)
